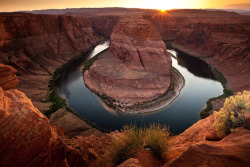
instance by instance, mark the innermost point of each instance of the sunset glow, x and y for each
(17, 5)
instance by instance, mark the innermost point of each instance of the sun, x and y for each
(162, 10)
(164, 5)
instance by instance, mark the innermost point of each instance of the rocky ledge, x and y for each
(8, 78)
(135, 70)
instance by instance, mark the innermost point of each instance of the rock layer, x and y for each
(137, 67)
(27, 139)
(233, 150)
(8, 78)
(38, 44)
(230, 51)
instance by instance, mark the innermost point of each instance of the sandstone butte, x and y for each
(136, 68)
(27, 139)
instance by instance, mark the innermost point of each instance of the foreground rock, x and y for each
(233, 151)
(27, 139)
(38, 44)
(137, 67)
(8, 78)
(72, 124)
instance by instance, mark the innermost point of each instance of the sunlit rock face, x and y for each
(136, 68)
(138, 45)
(8, 78)
(27, 139)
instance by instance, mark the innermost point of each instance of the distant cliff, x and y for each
(37, 44)
(104, 25)
(220, 38)
(225, 45)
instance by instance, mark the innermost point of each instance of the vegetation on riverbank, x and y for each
(220, 77)
(226, 93)
(52, 95)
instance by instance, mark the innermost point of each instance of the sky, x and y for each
(18, 5)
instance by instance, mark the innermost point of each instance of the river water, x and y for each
(200, 85)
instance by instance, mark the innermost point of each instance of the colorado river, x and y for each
(200, 85)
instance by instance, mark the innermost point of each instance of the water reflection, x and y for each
(198, 67)
(180, 115)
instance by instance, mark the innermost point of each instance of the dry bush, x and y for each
(155, 138)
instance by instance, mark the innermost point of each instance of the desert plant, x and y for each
(121, 148)
(233, 114)
(155, 137)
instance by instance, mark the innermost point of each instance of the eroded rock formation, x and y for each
(27, 139)
(8, 78)
(137, 67)
(38, 44)
(191, 149)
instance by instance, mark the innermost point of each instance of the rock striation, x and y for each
(136, 68)
(192, 149)
(38, 44)
(27, 139)
(223, 43)
(8, 78)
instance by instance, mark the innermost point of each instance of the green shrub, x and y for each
(155, 137)
(58, 102)
(233, 114)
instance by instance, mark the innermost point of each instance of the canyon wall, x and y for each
(38, 44)
(220, 38)
(104, 25)
(225, 45)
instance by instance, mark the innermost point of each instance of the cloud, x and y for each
(238, 6)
